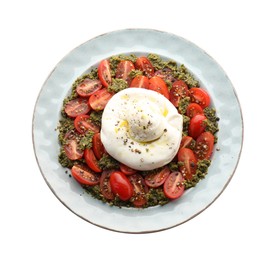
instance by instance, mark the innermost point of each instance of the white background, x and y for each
(36, 35)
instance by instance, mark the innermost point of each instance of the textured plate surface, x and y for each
(195, 200)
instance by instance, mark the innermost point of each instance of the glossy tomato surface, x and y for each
(104, 73)
(120, 185)
(173, 186)
(84, 175)
(189, 160)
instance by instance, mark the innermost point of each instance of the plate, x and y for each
(139, 41)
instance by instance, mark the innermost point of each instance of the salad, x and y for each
(137, 131)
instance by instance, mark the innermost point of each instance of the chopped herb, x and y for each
(107, 162)
(183, 104)
(86, 140)
(117, 85)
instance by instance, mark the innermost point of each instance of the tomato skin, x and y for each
(104, 73)
(194, 109)
(186, 141)
(204, 145)
(143, 64)
(84, 175)
(157, 84)
(139, 190)
(99, 99)
(76, 107)
(189, 167)
(124, 67)
(71, 146)
(179, 90)
(156, 179)
(199, 96)
(140, 81)
(196, 126)
(97, 146)
(91, 160)
(83, 123)
(105, 185)
(127, 170)
(88, 86)
(173, 186)
(120, 185)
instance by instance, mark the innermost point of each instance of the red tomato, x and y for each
(120, 185)
(156, 179)
(204, 146)
(186, 141)
(143, 64)
(123, 69)
(71, 146)
(194, 109)
(157, 84)
(188, 169)
(83, 123)
(139, 190)
(196, 126)
(91, 160)
(88, 86)
(76, 107)
(199, 96)
(140, 82)
(99, 99)
(97, 146)
(104, 73)
(174, 186)
(127, 170)
(105, 185)
(179, 90)
(84, 175)
(165, 74)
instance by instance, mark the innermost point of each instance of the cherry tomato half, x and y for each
(139, 190)
(199, 96)
(76, 107)
(104, 73)
(99, 99)
(196, 126)
(84, 175)
(71, 147)
(140, 82)
(179, 90)
(187, 142)
(124, 67)
(194, 109)
(156, 179)
(97, 146)
(143, 64)
(120, 185)
(204, 146)
(157, 84)
(127, 170)
(91, 160)
(83, 123)
(173, 186)
(105, 185)
(188, 169)
(88, 86)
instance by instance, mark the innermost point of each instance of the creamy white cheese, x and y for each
(141, 128)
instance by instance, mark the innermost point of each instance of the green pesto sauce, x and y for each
(155, 196)
(178, 72)
(117, 85)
